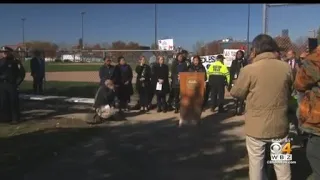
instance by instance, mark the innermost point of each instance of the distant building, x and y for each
(285, 33)
(17, 47)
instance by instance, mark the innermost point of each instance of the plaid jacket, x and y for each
(308, 81)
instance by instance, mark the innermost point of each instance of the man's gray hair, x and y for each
(264, 43)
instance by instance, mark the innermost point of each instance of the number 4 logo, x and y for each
(286, 149)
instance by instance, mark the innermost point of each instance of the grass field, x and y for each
(65, 67)
(61, 88)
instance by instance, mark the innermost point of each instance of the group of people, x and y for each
(154, 79)
(267, 85)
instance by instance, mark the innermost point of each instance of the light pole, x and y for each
(23, 40)
(248, 29)
(155, 26)
(82, 15)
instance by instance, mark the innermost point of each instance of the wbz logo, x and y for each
(281, 153)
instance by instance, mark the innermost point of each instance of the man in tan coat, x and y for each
(266, 86)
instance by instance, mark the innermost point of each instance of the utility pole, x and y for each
(265, 19)
(155, 25)
(248, 29)
(82, 15)
(23, 40)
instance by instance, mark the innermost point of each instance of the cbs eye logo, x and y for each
(277, 148)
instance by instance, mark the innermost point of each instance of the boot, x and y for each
(176, 110)
(164, 108)
(169, 107)
(159, 109)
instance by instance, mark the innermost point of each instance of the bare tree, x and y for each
(214, 47)
(199, 48)
(105, 45)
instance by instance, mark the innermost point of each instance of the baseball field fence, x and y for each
(287, 24)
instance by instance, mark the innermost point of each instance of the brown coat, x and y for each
(308, 81)
(266, 85)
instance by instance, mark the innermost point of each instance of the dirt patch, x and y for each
(76, 76)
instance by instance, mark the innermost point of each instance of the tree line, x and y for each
(200, 48)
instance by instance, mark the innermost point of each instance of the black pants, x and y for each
(206, 95)
(176, 97)
(124, 99)
(144, 97)
(151, 95)
(10, 99)
(171, 96)
(37, 85)
(161, 100)
(239, 106)
(313, 149)
(217, 96)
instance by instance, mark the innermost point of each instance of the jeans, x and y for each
(313, 149)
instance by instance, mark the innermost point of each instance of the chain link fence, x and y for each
(288, 25)
(76, 73)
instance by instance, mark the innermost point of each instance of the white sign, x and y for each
(165, 44)
(230, 55)
(209, 58)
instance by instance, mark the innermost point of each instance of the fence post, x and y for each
(265, 19)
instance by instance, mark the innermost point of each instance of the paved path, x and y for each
(76, 76)
(151, 147)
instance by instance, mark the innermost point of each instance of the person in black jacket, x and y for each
(106, 71)
(196, 66)
(161, 75)
(179, 65)
(105, 95)
(143, 83)
(153, 84)
(123, 80)
(37, 66)
(12, 74)
(237, 64)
